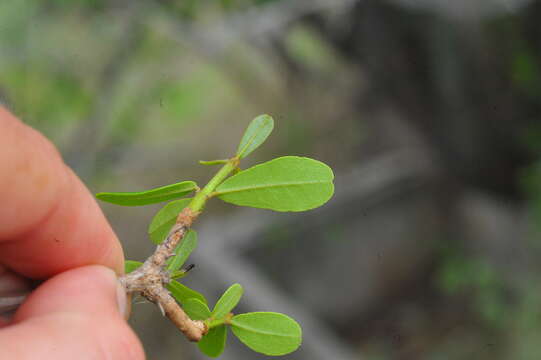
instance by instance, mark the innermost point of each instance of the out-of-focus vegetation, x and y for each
(429, 117)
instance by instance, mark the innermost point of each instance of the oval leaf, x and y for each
(183, 251)
(213, 343)
(196, 309)
(227, 301)
(256, 133)
(164, 193)
(164, 220)
(130, 265)
(288, 183)
(182, 293)
(267, 333)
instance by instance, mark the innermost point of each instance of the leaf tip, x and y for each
(101, 196)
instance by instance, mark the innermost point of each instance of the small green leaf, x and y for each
(130, 265)
(227, 301)
(256, 133)
(196, 309)
(288, 183)
(182, 293)
(213, 343)
(213, 162)
(164, 193)
(164, 219)
(267, 332)
(183, 251)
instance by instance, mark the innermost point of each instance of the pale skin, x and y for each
(51, 229)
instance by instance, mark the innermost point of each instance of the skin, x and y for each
(51, 229)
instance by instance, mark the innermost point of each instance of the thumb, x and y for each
(77, 314)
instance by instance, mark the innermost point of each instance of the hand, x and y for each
(52, 229)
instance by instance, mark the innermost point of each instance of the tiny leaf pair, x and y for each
(213, 343)
(164, 193)
(264, 332)
(268, 333)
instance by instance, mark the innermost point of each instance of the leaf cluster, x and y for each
(288, 183)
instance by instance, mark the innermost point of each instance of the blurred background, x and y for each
(427, 110)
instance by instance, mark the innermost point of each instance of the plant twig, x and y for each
(151, 277)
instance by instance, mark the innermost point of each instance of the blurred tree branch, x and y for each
(83, 149)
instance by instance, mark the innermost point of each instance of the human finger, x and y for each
(49, 221)
(75, 315)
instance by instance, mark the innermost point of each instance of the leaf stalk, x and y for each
(200, 199)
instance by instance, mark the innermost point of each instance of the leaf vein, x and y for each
(258, 331)
(266, 186)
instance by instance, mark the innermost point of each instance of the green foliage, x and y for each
(182, 293)
(164, 193)
(525, 72)
(267, 332)
(228, 301)
(213, 343)
(255, 135)
(56, 96)
(183, 251)
(310, 50)
(164, 219)
(130, 265)
(196, 309)
(477, 278)
(288, 183)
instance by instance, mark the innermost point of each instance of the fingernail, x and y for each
(122, 299)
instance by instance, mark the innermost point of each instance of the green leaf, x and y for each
(130, 265)
(256, 133)
(182, 293)
(213, 162)
(196, 309)
(164, 193)
(183, 251)
(213, 343)
(164, 219)
(267, 332)
(227, 301)
(288, 183)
